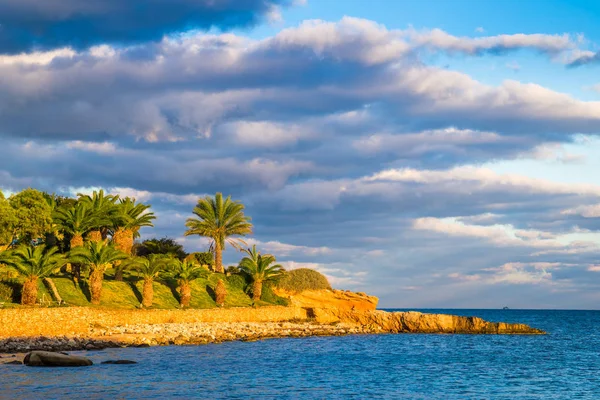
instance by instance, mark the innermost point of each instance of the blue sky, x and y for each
(433, 153)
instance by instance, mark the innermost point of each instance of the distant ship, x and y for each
(505, 308)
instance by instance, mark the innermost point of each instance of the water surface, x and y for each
(561, 365)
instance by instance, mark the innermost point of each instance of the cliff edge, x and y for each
(332, 306)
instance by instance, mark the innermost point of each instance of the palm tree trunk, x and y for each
(29, 292)
(96, 278)
(94, 236)
(185, 291)
(257, 290)
(218, 257)
(123, 240)
(148, 293)
(76, 241)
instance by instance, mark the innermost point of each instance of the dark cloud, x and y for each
(49, 24)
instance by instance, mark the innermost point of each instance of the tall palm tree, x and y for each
(185, 273)
(103, 207)
(149, 269)
(98, 256)
(220, 220)
(127, 221)
(260, 269)
(34, 263)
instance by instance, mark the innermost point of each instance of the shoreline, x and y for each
(145, 335)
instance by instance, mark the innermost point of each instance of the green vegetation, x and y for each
(34, 263)
(301, 279)
(84, 249)
(260, 270)
(221, 221)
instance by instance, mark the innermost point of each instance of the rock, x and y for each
(119, 362)
(15, 362)
(50, 359)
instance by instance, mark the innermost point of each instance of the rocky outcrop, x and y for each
(416, 322)
(49, 359)
(343, 300)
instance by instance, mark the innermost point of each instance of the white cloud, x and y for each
(483, 178)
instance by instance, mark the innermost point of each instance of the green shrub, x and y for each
(301, 279)
(10, 291)
(270, 297)
(237, 281)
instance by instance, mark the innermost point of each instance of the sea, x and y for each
(564, 364)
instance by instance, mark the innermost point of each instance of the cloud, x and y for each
(49, 24)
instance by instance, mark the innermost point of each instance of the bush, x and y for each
(301, 279)
(237, 281)
(10, 291)
(270, 297)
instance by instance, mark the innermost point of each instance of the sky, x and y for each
(439, 153)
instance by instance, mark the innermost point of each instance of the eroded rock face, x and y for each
(335, 299)
(417, 322)
(50, 359)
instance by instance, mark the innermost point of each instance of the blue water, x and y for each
(564, 364)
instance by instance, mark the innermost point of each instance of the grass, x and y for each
(128, 294)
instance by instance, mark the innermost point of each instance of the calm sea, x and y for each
(564, 364)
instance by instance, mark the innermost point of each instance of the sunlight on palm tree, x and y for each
(149, 269)
(258, 267)
(219, 220)
(33, 263)
(185, 273)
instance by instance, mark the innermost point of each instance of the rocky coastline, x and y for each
(331, 313)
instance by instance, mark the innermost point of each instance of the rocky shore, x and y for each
(323, 313)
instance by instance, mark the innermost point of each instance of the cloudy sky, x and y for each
(433, 153)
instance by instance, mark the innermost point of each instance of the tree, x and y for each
(202, 258)
(75, 221)
(8, 223)
(185, 273)
(33, 214)
(259, 269)
(148, 268)
(98, 257)
(34, 263)
(127, 221)
(220, 220)
(103, 208)
(165, 246)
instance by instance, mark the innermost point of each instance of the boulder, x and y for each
(119, 362)
(50, 359)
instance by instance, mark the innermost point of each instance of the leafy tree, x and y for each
(165, 245)
(127, 221)
(149, 269)
(260, 270)
(34, 263)
(221, 220)
(185, 273)
(98, 257)
(33, 214)
(103, 207)
(8, 223)
(202, 258)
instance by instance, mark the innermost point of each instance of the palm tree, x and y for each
(149, 269)
(127, 221)
(258, 267)
(75, 221)
(185, 273)
(219, 219)
(34, 263)
(103, 208)
(98, 256)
